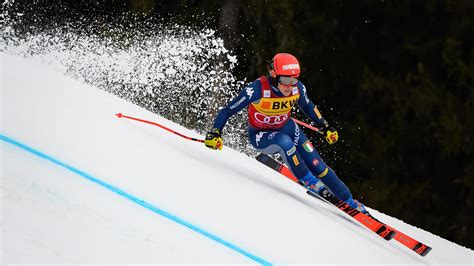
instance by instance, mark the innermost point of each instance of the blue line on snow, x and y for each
(136, 200)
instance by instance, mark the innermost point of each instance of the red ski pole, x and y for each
(120, 115)
(307, 126)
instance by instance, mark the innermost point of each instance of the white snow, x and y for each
(53, 215)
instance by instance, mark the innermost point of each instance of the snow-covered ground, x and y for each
(88, 187)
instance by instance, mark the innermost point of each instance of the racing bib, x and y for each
(271, 111)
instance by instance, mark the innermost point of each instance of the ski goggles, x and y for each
(287, 81)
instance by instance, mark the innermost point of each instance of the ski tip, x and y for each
(119, 115)
(427, 250)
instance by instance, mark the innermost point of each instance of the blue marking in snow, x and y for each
(136, 200)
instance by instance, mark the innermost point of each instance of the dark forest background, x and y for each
(395, 77)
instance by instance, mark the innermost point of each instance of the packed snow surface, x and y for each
(53, 214)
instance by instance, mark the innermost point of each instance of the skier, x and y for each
(271, 130)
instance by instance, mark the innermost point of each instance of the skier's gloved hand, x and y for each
(213, 139)
(330, 134)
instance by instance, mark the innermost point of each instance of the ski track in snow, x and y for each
(50, 215)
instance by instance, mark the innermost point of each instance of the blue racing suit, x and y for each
(271, 130)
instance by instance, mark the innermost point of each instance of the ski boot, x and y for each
(357, 205)
(312, 183)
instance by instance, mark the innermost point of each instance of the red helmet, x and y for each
(284, 65)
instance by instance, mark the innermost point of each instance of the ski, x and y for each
(409, 242)
(385, 231)
(372, 224)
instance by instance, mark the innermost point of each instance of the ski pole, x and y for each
(120, 115)
(307, 126)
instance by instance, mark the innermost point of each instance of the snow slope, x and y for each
(108, 190)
